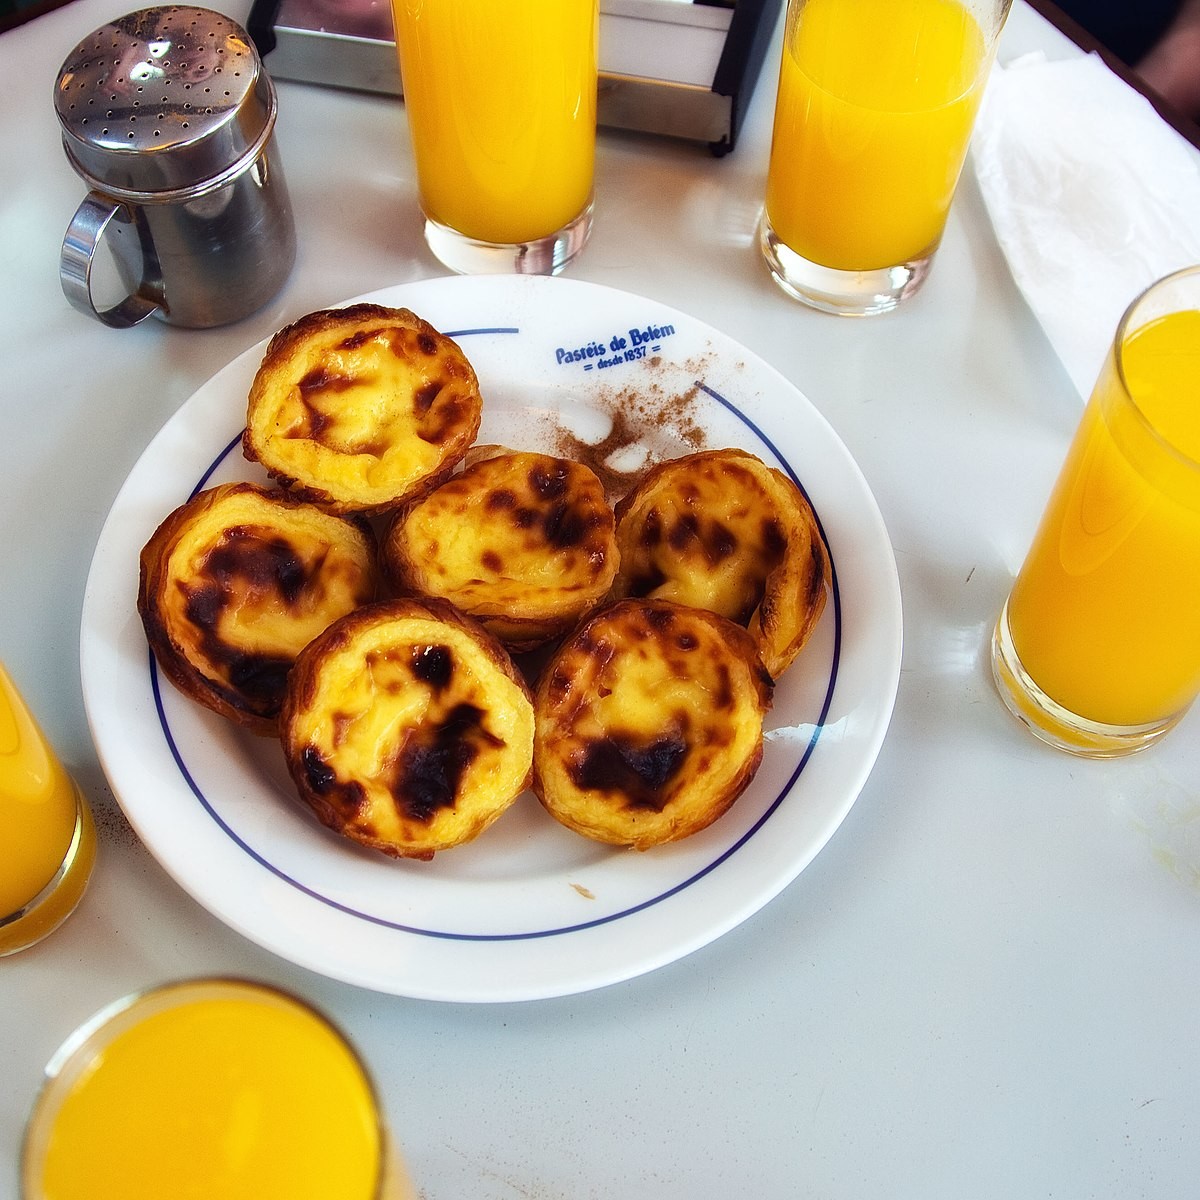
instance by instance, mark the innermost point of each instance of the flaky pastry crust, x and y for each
(406, 728)
(721, 530)
(649, 723)
(360, 408)
(235, 582)
(523, 542)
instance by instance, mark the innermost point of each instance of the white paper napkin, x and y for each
(1092, 195)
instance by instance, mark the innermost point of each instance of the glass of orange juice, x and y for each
(1098, 647)
(501, 104)
(47, 836)
(209, 1088)
(874, 111)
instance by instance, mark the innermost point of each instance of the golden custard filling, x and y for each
(405, 732)
(697, 548)
(649, 723)
(372, 405)
(241, 577)
(646, 691)
(361, 406)
(234, 583)
(720, 530)
(520, 534)
(369, 700)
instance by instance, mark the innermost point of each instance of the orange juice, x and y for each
(875, 107)
(501, 102)
(1103, 615)
(47, 839)
(215, 1089)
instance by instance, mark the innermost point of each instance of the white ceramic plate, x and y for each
(529, 909)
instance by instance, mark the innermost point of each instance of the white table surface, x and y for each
(985, 985)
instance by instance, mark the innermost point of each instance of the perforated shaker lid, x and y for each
(163, 99)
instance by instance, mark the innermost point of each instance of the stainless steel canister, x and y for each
(168, 116)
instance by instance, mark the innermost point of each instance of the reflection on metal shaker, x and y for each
(168, 116)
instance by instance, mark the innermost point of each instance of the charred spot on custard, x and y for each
(267, 563)
(640, 771)
(651, 532)
(549, 481)
(714, 539)
(500, 499)
(318, 382)
(660, 619)
(430, 765)
(258, 566)
(717, 736)
(318, 774)
(490, 560)
(723, 695)
(346, 797)
(260, 678)
(719, 543)
(433, 665)
(425, 395)
(684, 532)
(774, 539)
(563, 526)
(443, 417)
(203, 605)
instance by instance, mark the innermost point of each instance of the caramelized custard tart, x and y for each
(360, 408)
(523, 542)
(406, 727)
(721, 530)
(649, 723)
(236, 582)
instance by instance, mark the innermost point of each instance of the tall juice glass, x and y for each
(47, 836)
(203, 1089)
(1098, 647)
(876, 103)
(501, 103)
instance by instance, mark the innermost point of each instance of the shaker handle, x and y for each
(82, 238)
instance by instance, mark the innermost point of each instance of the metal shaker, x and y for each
(168, 116)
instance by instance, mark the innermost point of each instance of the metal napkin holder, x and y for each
(666, 67)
